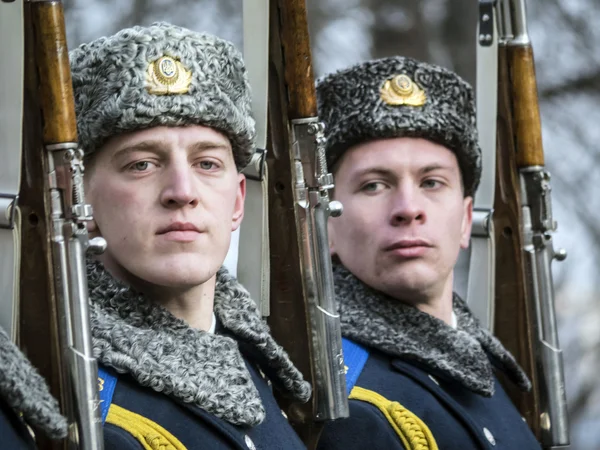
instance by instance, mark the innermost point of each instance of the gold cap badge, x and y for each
(167, 76)
(401, 90)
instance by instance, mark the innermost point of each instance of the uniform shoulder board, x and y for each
(106, 387)
(355, 358)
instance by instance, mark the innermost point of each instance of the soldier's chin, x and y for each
(410, 286)
(176, 271)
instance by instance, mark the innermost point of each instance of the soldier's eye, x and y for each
(431, 184)
(373, 186)
(207, 165)
(140, 166)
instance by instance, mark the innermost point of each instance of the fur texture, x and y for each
(109, 83)
(26, 392)
(350, 105)
(160, 351)
(464, 354)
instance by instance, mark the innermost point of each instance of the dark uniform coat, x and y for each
(424, 382)
(24, 399)
(184, 388)
(192, 426)
(13, 432)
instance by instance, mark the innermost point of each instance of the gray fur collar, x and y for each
(463, 354)
(135, 336)
(26, 392)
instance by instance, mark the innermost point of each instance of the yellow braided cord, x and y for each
(150, 434)
(411, 430)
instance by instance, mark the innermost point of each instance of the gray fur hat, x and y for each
(162, 75)
(401, 97)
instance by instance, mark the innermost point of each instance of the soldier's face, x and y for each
(405, 217)
(166, 200)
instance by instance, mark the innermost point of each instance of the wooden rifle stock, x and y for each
(513, 313)
(55, 85)
(528, 128)
(292, 95)
(49, 118)
(299, 78)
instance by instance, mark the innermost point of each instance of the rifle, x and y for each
(304, 316)
(54, 316)
(525, 317)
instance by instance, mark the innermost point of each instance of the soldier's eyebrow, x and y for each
(384, 172)
(161, 147)
(381, 171)
(433, 167)
(151, 146)
(209, 145)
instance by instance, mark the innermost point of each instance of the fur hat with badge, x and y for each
(162, 75)
(401, 97)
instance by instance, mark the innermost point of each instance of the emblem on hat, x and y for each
(166, 76)
(401, 90)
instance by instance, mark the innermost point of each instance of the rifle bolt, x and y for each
(97, 245)
(560, 254)
(336, 208)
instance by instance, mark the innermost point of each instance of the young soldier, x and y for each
(403, 145)
(24, 401)
(163, 116)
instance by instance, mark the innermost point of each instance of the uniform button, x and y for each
(249, 442)
(489, 436)
(434, 380)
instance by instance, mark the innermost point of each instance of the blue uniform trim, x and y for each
(106, 385)
(355, 358)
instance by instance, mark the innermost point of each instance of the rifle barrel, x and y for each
(313, 210)
(539, 251)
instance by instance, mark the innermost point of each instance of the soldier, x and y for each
(163, 116)
(402, 141)
(25, 401)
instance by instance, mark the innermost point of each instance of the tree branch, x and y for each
(589, 82)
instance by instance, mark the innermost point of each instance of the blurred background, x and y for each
(566, 42)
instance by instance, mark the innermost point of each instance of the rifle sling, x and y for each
(480, 290)
(11, 122)
(253, 262)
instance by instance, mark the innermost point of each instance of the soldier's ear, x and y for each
(238, 211)
(467, 222)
